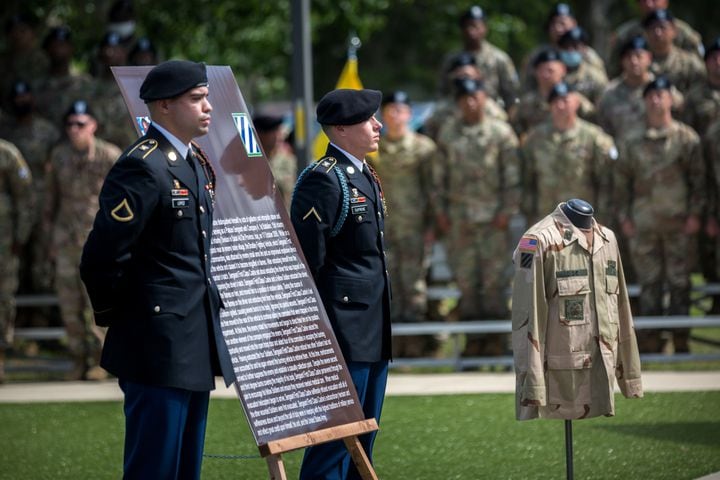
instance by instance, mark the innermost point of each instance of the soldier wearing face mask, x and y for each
(582, 76)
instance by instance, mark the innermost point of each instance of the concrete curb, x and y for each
(398, 384)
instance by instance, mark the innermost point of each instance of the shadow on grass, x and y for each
(700, 433)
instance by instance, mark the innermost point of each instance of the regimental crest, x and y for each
(143, 124)
(247, 134)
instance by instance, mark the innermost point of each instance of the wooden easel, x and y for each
(272, 451)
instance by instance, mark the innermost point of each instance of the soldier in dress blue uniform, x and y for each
(146, 266)
(338, 211)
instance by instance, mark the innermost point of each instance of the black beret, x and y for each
(635, 43)
(347, 107)
(266, 122)
(660, 83)
(19, 87)
(467, 86)
(462, 59)
(398, 96)
(559, 90)
(559, 10)
(547, 55)
(121, 11)
(60, 34)
(20, 19)
(573, 37)
(712, 48)
(111, 39)
(473, 13)
(143, 44)
(79, 107)
(657, 16)
(172, 78)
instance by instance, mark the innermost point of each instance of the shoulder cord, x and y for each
(344, 208)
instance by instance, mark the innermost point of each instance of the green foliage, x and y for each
(662, 436)
(404, 41)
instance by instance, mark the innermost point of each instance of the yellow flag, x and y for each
(349, 78)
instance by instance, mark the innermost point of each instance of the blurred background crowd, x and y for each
(493, 114)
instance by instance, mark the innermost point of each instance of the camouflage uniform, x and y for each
(590, 58)
(711, 149)
(30, 66)
(533, 109)
(34, 140)
(587, 80)
(683, 69)
(702, 107)
(15, 222)
(406, 168)
(481, 175)
(55, 94)
(661, 180)
(114, 122)
(622, 107)
(74, 181)
(687, 39)
(572, 330)
(445, 110)
(283, 165)
(560, 165)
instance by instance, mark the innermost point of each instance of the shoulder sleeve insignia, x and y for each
(326, 163)
(146, 147)
(314, 213)
(122, 212)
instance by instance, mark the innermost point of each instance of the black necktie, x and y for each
(191, 160)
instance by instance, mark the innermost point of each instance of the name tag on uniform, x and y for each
(180, 197)
(180, 202)
(356, 209)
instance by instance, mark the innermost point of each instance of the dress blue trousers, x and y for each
(332, 461)
(164, 432)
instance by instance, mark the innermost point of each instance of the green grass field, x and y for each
(662, 436)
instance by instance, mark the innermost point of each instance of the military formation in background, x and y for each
(637, 134)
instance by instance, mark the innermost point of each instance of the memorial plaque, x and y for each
(290, 375)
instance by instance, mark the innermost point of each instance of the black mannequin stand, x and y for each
(579, 212)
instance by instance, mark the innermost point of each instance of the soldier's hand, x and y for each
(712, 229)
(628, 228)
(692, 225)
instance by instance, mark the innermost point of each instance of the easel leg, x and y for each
(365, 469)
(569, 449)
(276, 467)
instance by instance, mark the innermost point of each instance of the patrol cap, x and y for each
(712, 48)
(57, 34)
(573, 37)
(172, 78)
(547, 55)
(398, 96)
(559, 90)
(347, 107)
(473, 13)
(660, 83)
(635, 43)
(462, 59)
(266, 122)
(467, 86)
(657, 16)
(78, 107)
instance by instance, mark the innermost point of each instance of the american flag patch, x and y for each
(527, 244)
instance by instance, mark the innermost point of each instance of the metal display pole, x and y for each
(569, 450)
